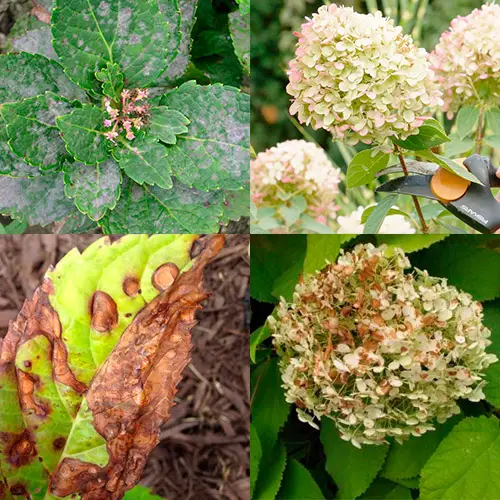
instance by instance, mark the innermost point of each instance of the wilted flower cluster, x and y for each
(393, 224)
(296, 168)
(130, 114)
(467, 59)
(359, 77)
(380, 351)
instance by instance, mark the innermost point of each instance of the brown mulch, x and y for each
(204, 448)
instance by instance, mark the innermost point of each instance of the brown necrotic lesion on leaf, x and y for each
(104, 312)
(133, 392)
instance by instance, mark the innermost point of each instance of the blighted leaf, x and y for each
(236, 204)
(145, 209)
(95, 188)
(112, 80)
(239, 27)
(10, 163)
(32, 131)
(78, 223)
(28, 75)
(179, 65)
(244, 6)
(83, 133)
(39, 200)
(89, 35)
(81, 366)
(214, 154)
(35, 41)
(145, 161)
(166, 124)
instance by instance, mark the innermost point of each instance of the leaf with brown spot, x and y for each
(89, 371)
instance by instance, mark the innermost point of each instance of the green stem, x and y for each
(371, 5)
(481, 128)
(417, 29)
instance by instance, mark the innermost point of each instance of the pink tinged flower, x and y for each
(108, 123)
(125, 94)
(321, 219)
(127, 125)
(130, 135)
(111, 135)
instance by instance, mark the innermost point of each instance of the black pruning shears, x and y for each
(472, 203)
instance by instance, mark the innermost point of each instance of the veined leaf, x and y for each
(244, 6)
(239, 28)
(430, 135)
(236, 204)
(145, 161)
(320, 250)
(145, 209)
(449, 165)
(89, 34)
(10, 163)
(166, 124)
(28, 75)
(95, 188)
(271, 473)
(298, 483)
(32, 131)
(255, 456)
(83, 133)
(112, 80)
(35, 41)
(39, 200)
(215, 152)
(376, 218)
(364, 166)
(103, 328)
(467, 119)
(493, 120)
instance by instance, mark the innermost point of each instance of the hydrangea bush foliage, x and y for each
(107, 125)
(375, 366)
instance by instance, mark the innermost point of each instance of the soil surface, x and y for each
(204, 448)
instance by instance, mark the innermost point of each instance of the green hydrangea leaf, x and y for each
(236, 204)
(179, 65)
(39, 200)
(140, 492)
(465, 463)
(493, 120)
(214, 154)
(410, 242)
(83, 133)
(88, 35)
(145, 209)
(239, 28)
(271, 473)
(257, 337)
(269, 408)
(10, 163)
(298, 483)
(166, 124)
(95, 189)
(364, 166)
(112, 80)
(28, 75)
(171, 13)
(458, 147)
(386, 490)
(430, 134)
(466, 121)
(145, 161)
(78, 223)
(255, 456)
(492, 321)
(35, 41)
(352, 469)
(53, 355)
(321, 250)
(32, 131)
(406, 460)
(244, 6)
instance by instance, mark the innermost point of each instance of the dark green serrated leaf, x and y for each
(269, 408)
(215, 153)
(28, 75)
(464, 465)
(145, 161)
(144, 209)
(255, 456)
(244, 6)
(492, 321)
(179, 65)
(386, 490)
(166, 124)
(257, 337)
(39, 200)
(95, 189)
(239, 28)
(320, 250)
(112, 80)
(35, 41)
(298, 483)
(78, 223)
(467, 119)
(171, 13)
(376, 218)
(353, 469)
(430, 135)
(90, 34)
(10, 163)
(449, 165)
(364, 166)
(236, 204)
(271, 473)
(83, 132)
(410, 242)
(15, 227)
(32, 131)
(271, 257)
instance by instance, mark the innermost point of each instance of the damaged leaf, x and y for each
(90, 367)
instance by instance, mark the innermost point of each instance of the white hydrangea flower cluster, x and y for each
(380, 351)
(359, 77)
(466, 61)
(393, 224)
(296, 167)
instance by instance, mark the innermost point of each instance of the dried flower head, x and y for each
(296, 168)
(359, 77)
(380, 351)
(127, 114)
(466, 61)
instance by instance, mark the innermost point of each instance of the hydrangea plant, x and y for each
(106, 127)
